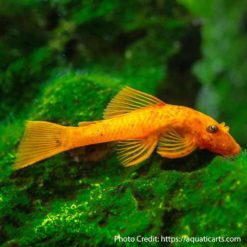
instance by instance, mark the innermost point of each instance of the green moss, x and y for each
(62, 201)
(70, 98)
(115, 202)
(76, 204)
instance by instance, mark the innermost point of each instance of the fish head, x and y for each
(216, 138)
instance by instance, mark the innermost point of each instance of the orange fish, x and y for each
(139, 123)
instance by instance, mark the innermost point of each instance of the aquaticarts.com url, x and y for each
(171, 239)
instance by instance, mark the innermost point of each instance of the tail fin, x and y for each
(40, 141)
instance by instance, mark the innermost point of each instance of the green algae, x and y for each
(61, 201)
(92, 203)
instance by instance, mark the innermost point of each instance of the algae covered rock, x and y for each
(62, 201)
(72, 97)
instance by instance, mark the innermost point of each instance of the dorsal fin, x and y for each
(127, 100)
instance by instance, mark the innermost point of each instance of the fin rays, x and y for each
(127, 100)
(173, 145)
(134, 151)
(40, 141)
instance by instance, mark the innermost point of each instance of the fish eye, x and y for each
(212, 128)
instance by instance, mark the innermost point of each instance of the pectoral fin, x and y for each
(174, 145)
(134, 151)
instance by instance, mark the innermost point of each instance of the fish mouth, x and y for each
(237, 150)
(234, 153)
(231, 154)
(230, 157)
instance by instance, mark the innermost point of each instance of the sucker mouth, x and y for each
(229, 157)
(232, 153)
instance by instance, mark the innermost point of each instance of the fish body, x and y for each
(133, 125)
(138, 123)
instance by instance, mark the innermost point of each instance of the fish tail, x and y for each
(40, 141)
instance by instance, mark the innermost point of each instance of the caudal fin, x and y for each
(40, 141)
